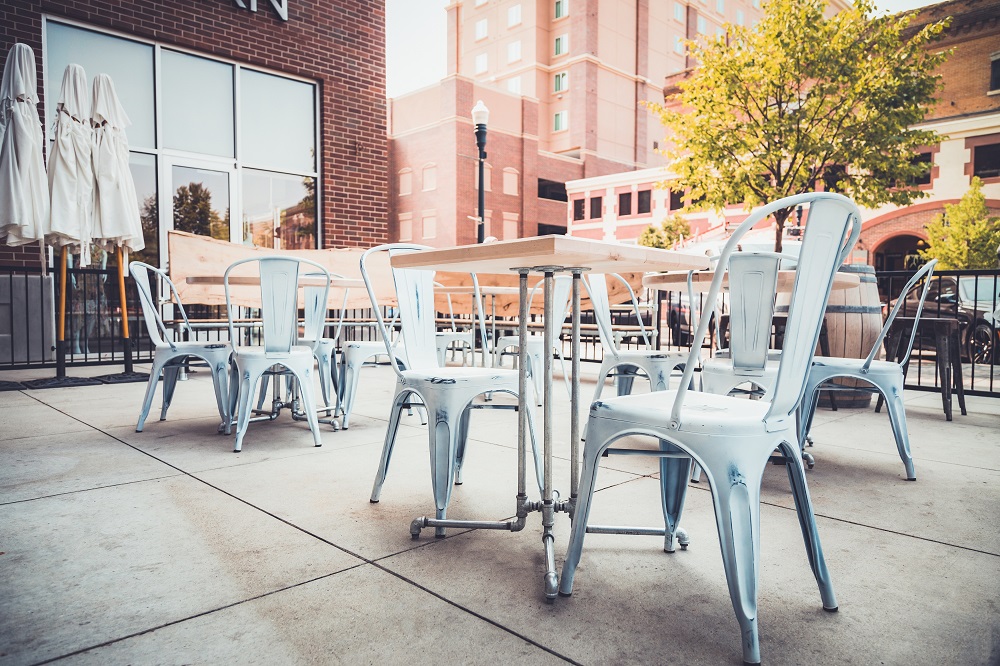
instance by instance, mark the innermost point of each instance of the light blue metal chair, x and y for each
(170, 356)
(885, 377)
(447, 392)
(624, 364)
(279, 281)
(731, 438)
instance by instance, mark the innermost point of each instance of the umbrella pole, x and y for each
(124, 302)
(61, 323)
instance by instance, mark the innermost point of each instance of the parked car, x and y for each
(974, 301)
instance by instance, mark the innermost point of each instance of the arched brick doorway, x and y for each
(897, 252)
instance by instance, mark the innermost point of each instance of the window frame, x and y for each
(560, 10)
(560, 82)
(560, 121)
(560, 46)
(481, 30)
(514, 15)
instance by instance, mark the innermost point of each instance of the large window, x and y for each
(561, 45)
(644, 202)
(560, 121)
(187, 111)
(986, 161)
(560, 81)
(482, 29)
(624, 204)
(596, 209)
(561, 8)
(995, 73)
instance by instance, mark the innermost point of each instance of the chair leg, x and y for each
(350, 374)
(265, 381)
(463, 439)
(220, 380)
(625, 378)
(736, 494)
(246, 384)
(305, 380)
(674, 475)
(897, 419)
(443, 436)
(170, 374)
(325, 381)
(596, 444)
(147, 401)
(807, 521)
(390, 441)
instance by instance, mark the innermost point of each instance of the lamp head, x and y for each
(480, 114)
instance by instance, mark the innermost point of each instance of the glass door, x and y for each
(202, 198)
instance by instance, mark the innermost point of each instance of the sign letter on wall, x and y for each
(280, 6)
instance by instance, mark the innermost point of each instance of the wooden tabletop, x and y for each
(701, 281)
(547, 251)
(486, 290)
(304, 281)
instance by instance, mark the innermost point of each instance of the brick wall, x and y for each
(338, 43)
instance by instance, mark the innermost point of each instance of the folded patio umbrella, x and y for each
(24, 198)
(71, 170)
(116, 209)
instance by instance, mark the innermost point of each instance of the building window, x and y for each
(510, 181)
(482, 29)
(995, 73)
(430, 225)
(720, 6)
(514, 85)
(702, 25)
(552, 190)
(480, 3)
(578, 209)
(562, 45)
(405, 182)
(676, 199)
(513, 15)
(429, 177)
(679, 12)
(514, 51)
(925, 179)
(560, 81)
(562, 8)
(487, 178)
(482, 63)
(595, 208)
(265, 192)
(678, 44)
(720, 32)
(510, 225)
(986, 161)
(405, 226)
(624, 204)
(559, 121)
(739, 17)
(644, 202)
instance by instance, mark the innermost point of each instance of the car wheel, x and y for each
(981, 344)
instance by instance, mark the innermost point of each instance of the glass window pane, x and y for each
(201, 201)
(143, 168)
(197, 104)
(128, 63)
(277, 122)
(279, 211)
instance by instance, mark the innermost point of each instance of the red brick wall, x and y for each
(338, 43)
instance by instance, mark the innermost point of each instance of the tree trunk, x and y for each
(779, 227)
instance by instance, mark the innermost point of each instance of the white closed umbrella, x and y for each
(24, 199)
(71, 170)
(116, 208)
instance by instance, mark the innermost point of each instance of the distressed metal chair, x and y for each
(731, 438)
(447, 392)
(885, 377)
(170, 356)
(452, 339)
(279, 281)
(536, 345)
(624, 364)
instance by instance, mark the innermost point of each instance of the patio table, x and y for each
(546, 255)
(701, 281)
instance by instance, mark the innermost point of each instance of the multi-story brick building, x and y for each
(967, 116)
(564, 81)
(273, 110)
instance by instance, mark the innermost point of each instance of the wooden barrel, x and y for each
(853, 321)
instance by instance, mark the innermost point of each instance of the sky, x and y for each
(416, 41)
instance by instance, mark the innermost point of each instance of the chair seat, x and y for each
(258, 352)
(831, 366)
(197, 348)
(459, 376)
(704, 413)
(772, 354)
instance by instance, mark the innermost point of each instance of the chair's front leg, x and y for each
(674, 475)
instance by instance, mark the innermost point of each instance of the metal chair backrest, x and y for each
(753, 282)
(597, 289)
(415, 302)
(315, 309)
(925, 272)
(158, 332)
(832, 229)
(279, 282)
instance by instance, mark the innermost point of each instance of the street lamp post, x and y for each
(480, 116)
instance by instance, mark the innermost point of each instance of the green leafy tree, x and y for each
(668, 233)
(772, 109)
(965, 236)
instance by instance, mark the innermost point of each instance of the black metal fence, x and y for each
(29, 306)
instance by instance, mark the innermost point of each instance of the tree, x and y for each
(771, 110)
(965, 236)
(669, 232)
(193, 212)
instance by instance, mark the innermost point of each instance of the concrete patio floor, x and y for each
(119, 547)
